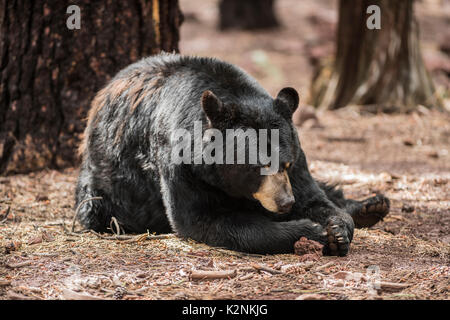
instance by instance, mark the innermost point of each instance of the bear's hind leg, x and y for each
(91, 213)
(368, 212)
(91, 207)
(365, 213)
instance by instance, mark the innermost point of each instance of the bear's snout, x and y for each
(285, 204)
(275, 193)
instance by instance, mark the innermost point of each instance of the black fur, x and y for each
(126, 161)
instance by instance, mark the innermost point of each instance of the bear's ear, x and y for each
(212, 106)
(287, 101)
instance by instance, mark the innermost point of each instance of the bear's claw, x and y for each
(338, 241)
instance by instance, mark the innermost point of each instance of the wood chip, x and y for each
(47, 236)
(72, 295)
(311, 296)
(393, 287)
(11, 295)
(129, 238)
(5, 216)
(208, 275)
(304, 265)
(19, 264)
(246, 277)
(41, 197)
(35, 240)
(266, 269)
(326, 265)
(4, 283)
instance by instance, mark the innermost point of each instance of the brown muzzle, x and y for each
(275, 193)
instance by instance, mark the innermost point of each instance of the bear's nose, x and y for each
(286, 204)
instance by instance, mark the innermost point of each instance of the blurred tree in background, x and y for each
(378, 67)
(247, 14)
(49, 74)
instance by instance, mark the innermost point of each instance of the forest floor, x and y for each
(406, 157)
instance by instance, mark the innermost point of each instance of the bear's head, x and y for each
(255, 123)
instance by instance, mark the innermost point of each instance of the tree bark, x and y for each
(382, 68)
(49, 74)
(247, 14)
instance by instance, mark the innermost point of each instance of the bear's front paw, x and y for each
(338, 238)
(319, 234)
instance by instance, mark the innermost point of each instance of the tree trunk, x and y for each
(382, 67)
(49, 74)
(247, 14)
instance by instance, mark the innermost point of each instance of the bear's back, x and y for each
(206, 73)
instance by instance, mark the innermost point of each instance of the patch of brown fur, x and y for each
(96, 105)
(142, 90)
(138, 91)
(270, 188)
(83, 145)
(119, 133)
(139, 88)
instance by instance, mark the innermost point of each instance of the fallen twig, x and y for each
(146, 236)
(46, 254)
(208, 275)
(304, 265)
(19, 264)
(5, 217)
(326, 265)
(72, 295)
(77, 211)
(266, 269)
(130, 238)
(4, 283)
(237, 254)
(11, 295)
(58, 223)
(78, 233)
(246, 277)
(116, 224)
(392, 286)
(137, 238)
(115, 237)
(311, 296)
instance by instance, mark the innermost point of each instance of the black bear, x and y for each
(128, 145)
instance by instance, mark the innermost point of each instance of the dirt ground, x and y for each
(406, 157)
